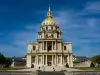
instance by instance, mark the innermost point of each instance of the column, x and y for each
(68, 59)
(37, 59)
(55, 45)
(55, 59)
(43, 60)
(43, 45)
(46, 45)
(61, 59)
(46, 60)
(52, 60)
(52, 45)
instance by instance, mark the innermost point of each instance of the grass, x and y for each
(87, 68)
(11, 68)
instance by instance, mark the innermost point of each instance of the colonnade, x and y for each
(57, 60)
(45, 45)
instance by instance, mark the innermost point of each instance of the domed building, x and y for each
(49, 50)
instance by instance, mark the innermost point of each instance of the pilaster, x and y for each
(71, 61)
(29, 61)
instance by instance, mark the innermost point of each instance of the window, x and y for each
(51, 28)
(33, 47)
(46, 35)
(46, 28)
(64, 47)
(33, 59)
(58, 35)
(52, 35)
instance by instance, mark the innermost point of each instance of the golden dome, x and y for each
(49, 20)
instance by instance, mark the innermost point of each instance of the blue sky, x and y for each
(79, 21)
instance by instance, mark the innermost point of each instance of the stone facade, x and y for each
(49, 50)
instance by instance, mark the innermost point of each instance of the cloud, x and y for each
(93, 6)
(77, 26)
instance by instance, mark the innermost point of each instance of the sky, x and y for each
(79, 21)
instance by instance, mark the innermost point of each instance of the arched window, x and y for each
(46, 35)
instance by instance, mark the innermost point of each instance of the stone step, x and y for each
(15, 72)
(51, 73)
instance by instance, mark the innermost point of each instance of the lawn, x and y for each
(87, 68)
(11, 68)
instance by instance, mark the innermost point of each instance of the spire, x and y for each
(49, 7)
(49, 14)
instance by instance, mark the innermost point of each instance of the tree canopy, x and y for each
(96, 59)
(2, 58)
(5, 61)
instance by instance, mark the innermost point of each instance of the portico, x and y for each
(50, 59)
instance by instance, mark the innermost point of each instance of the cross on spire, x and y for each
(49, 14)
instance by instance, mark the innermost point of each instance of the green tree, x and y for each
(5, 61)
(92, 64)
(8, 62)
(96, 60)
(2, 59)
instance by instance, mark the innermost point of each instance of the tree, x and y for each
(5, 61)
(8, 62)
(96, 60)
(2, 59)
(92, 64)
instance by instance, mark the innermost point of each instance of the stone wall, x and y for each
(83, 64)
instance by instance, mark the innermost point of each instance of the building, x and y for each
(78, 59)
(18, 62)
(49, 50)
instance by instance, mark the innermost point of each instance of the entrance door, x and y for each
(49, 63)
(49, 60)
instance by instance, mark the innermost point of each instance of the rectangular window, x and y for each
(33, 47)
(46, 28)
(51, 28)
(64, 47)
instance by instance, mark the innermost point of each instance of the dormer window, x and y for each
(64, 47)
(33, 47)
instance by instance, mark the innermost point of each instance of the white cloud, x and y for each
(74, 28)
(93, 6)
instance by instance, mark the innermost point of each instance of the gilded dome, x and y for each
(49, 20)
